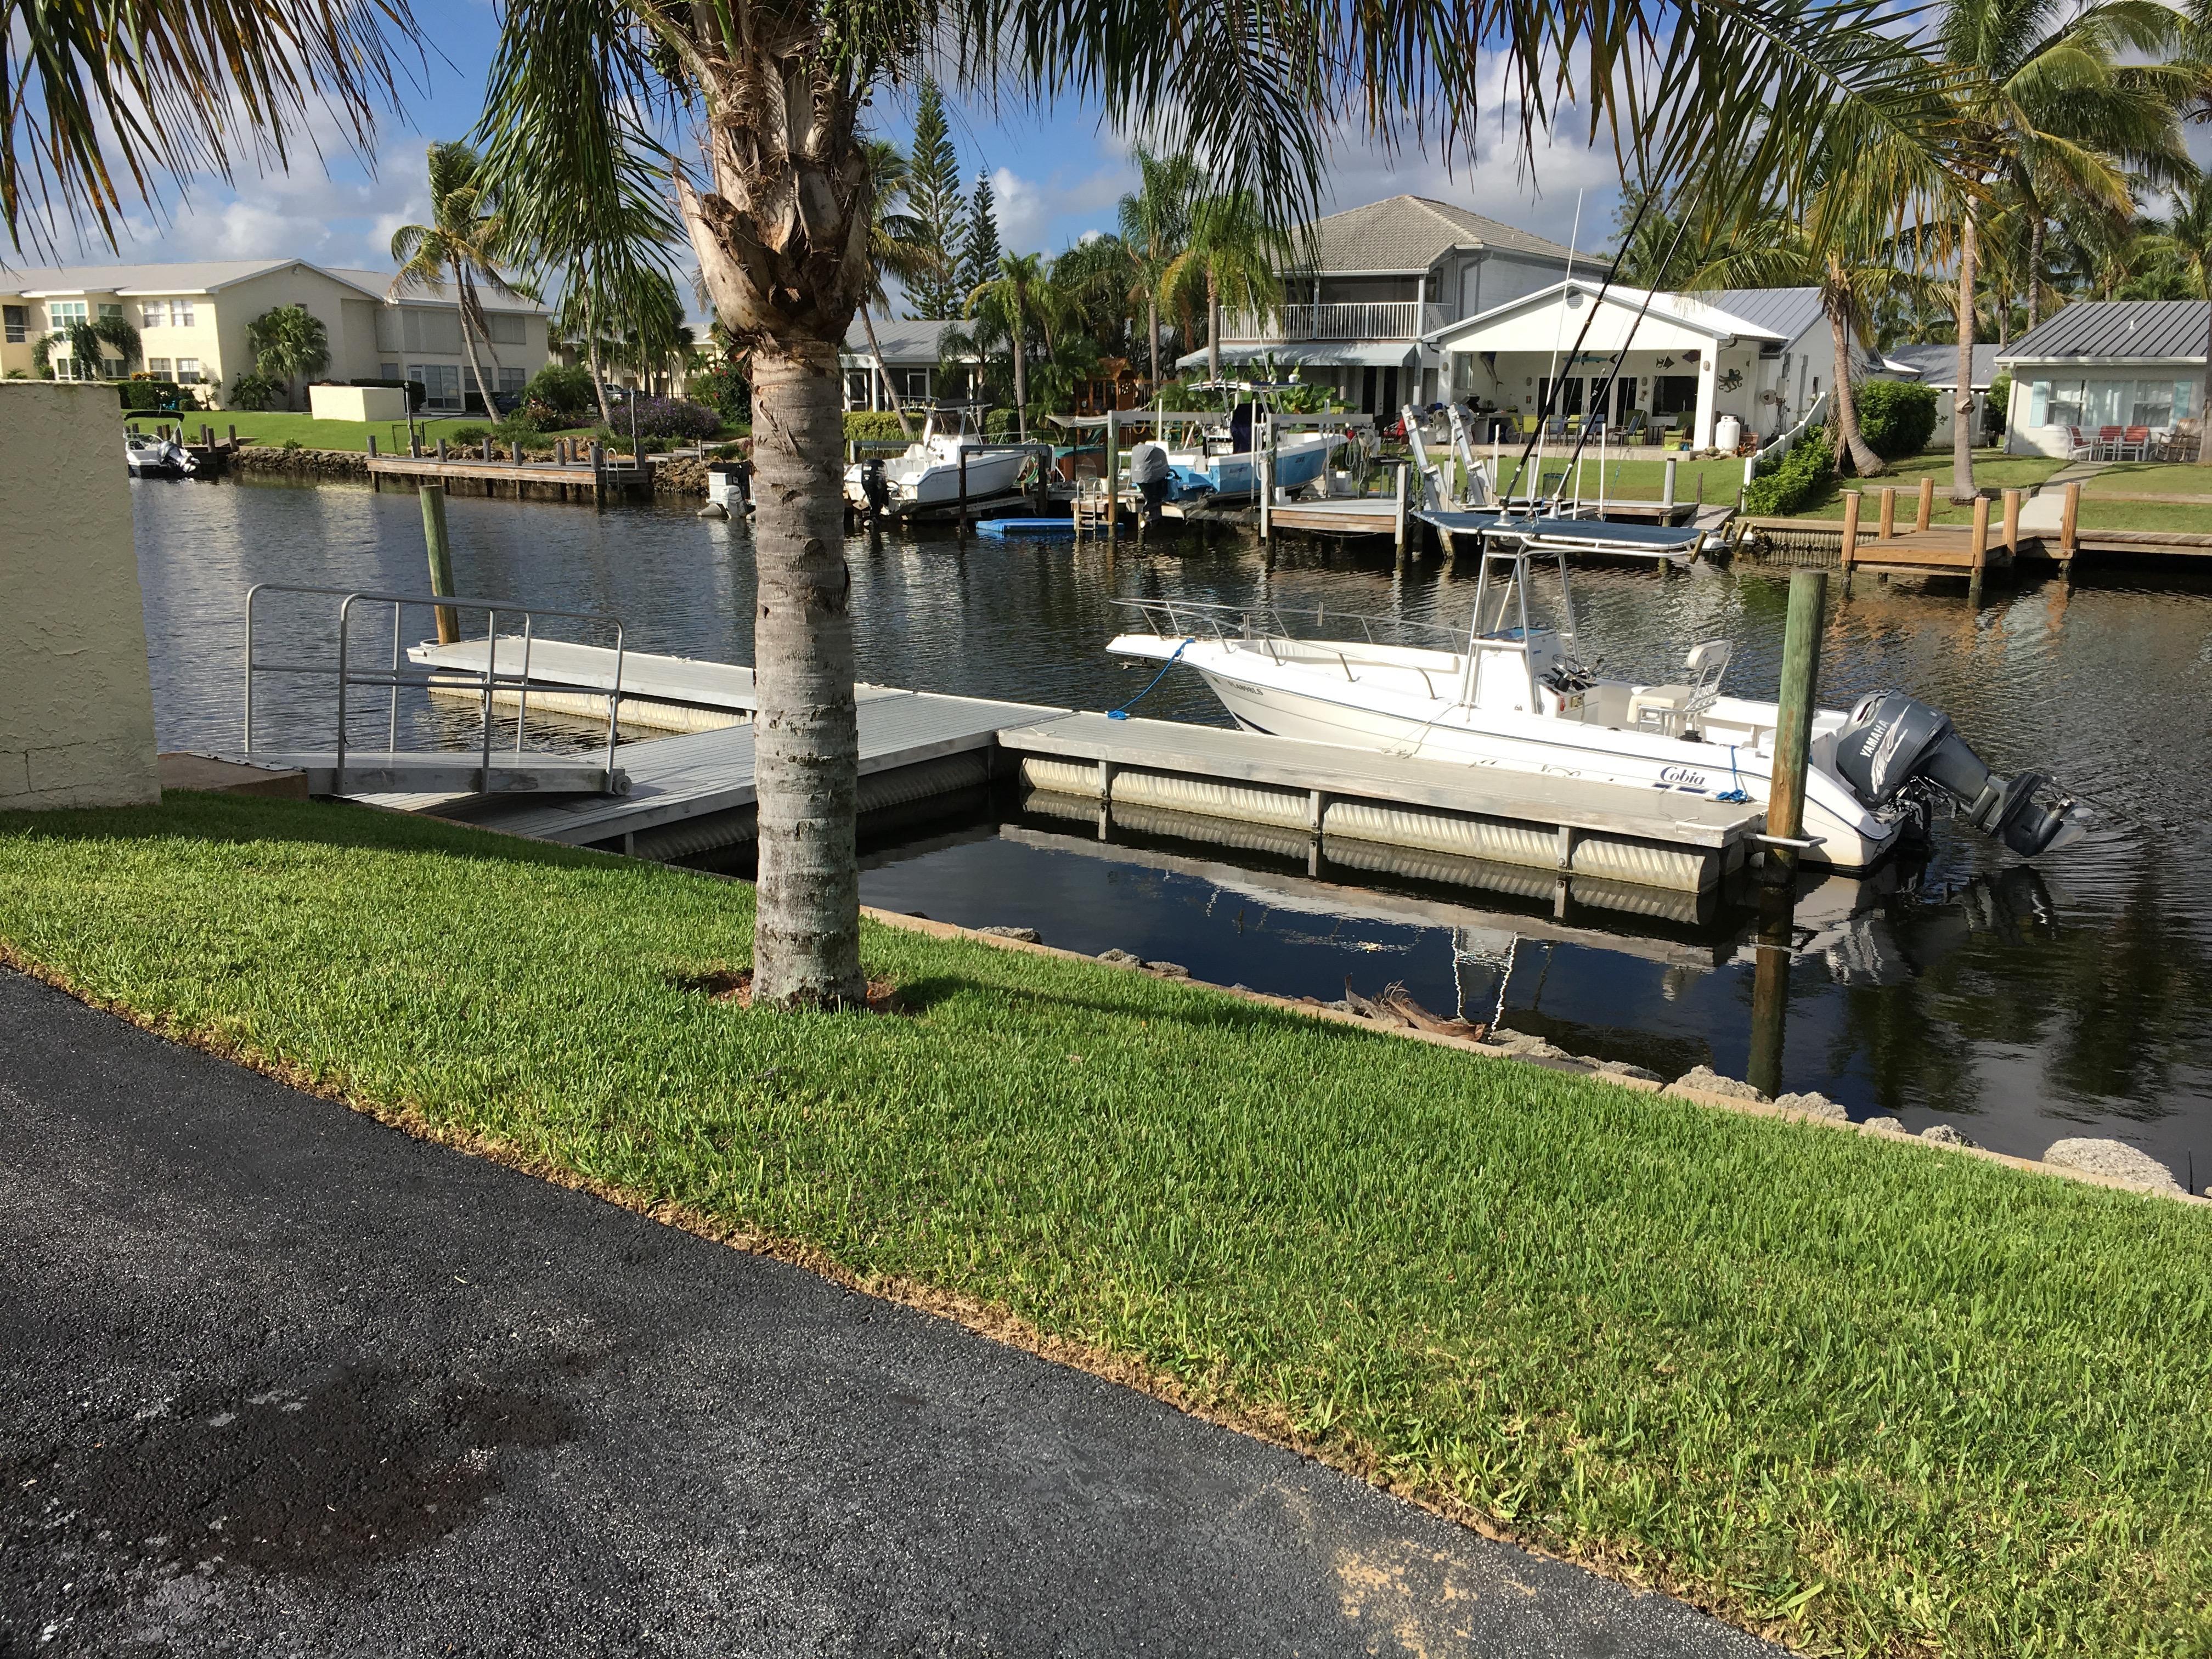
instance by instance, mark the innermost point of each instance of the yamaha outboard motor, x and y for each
(1893, 747)
(875, 489)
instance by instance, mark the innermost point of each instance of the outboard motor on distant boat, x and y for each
(876, 487)
(1894, 748)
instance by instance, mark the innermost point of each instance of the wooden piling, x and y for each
(2012, 524)
(441, 559)
(1979, 550)
(1264, 461)
(1398, 517)
(441, 452)
(1793, 725)
(2069, 517)
(372, 445)
(1850, 551)
(1888, 513)
(1927, 514)
(960, 520)
(598, 473)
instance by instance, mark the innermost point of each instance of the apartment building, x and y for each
(192, 317)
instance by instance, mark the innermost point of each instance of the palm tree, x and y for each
(1011, 298)
(1232, 249)
(2048, 104)
(899, 244)
(288, 343)
(466, 240)
(1155, 221)
(86, 338)
(780, 204)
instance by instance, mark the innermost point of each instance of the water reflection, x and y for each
(2024, 1005)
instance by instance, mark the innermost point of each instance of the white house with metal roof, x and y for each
(191, 319)
(910, 360)
(2108, 362)
(1369, 285)
(1766, 356)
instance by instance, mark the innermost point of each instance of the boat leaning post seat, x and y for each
(1670, 709)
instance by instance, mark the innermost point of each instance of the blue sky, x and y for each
(1057, 174)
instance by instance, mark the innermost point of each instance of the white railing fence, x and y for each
(1363, 320)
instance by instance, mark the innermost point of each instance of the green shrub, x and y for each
(291, 444)
(139, 394)
(1001, 423)
(473, 434)
(254, 391)
(564, 388)
(1896, 417)
(1784, 487)
(1995, 409)
(871, 426)
(722, 388)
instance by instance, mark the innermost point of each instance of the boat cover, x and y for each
(1000, 528)
(1595, 535)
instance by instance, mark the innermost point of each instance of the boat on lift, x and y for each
(1225, 453)
(157, 457)
(1512, 691)
(928, 474)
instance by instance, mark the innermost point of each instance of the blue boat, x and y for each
(1025, 529)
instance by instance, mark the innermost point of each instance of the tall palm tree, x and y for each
(467, 240)
(1012, 298)
(899, 244)
(87, 339)
(1233, 249)
(289, 344)
(1155, 222)
(2050, 105)
(779, 205)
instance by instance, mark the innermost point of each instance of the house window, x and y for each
(114, 311)
(387, 371)
(856, 389)
(152, 314)
(505, 327)
(181, 313)
(2159, 403)
(1675, 394)
(112, 367)
(917, 384)
(18, 319)
(188, 371)
(158, 368)
(441, 381)
(511, 380)
(60, 314)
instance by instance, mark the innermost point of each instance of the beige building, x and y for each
(192, 320)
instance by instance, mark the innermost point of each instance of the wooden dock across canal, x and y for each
(693, 794)
(562, 480)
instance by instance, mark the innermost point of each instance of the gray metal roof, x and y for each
(186, 277)
(2114, 331)
(1938, 365)
(1409, 233)
(1788, 312)
(911, 341)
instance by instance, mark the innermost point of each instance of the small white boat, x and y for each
(1227, 452)
(1511, 693)
(928, 474)
(157, 457)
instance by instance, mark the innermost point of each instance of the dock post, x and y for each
(441, 452)
(960, 524)
(2012, 524)
(487, 449)
(1888, 511)
(441, 559)
(1113, 474)
(1770, 990)
(1263, 460)
(598, 473)
(1793, 724)
(372, 445)
(1667, 493)
(2069, 517)
(1850, 547)
(1980, 551)
(1398, 514)
(233, 437)
(1927, 515)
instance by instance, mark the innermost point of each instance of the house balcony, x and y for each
(1383, 319)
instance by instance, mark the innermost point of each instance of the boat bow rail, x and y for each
(504, 678)
(1197, 619)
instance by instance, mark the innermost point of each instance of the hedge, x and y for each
(1896, 417)
(1801, 475)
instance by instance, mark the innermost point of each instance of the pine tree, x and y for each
(934, 200)
(979, 261)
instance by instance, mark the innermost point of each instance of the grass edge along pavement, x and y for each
(1861, 1396)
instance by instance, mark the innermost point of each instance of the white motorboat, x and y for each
(157, 457)
(928, 474)
(1226, 453)
(1510, 692)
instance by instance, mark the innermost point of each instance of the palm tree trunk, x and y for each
(1864, 461)
(1212, 328)
(1152, 324)
(1021, 381)
(805, 735)
(2204, 405)
(1962, 430)
(2034, 266)
(868, 322)
(598, 377)
(469, 342)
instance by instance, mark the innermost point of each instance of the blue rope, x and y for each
(1122, 712)
(1736, 794)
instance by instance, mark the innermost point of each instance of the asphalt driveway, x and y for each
(277, 1380)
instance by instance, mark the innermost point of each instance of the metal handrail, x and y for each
(399, 675)
(1206, 619)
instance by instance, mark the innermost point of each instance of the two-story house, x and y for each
(1372, 283)
(192, 318)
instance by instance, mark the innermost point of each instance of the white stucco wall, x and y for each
(76, 709)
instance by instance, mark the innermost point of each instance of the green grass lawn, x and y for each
(2108, 512)
(1639, 479)
(1993, 469)
(2151, 478)
(1871, 1396)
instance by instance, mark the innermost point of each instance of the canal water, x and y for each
(2021, 1005)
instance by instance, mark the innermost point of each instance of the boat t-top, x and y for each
(1512, 691)
(928, 474)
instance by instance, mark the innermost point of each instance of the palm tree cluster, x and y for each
(2014, 182)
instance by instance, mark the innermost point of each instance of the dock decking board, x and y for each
(644, 674)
